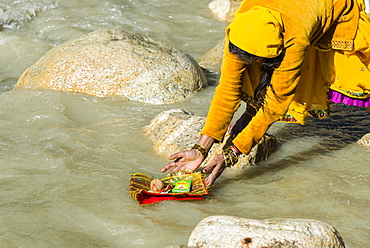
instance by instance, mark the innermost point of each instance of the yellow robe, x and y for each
(320, 38)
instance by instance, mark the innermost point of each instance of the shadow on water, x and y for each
(345, 126)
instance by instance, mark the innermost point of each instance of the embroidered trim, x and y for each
(320, 114)
(288, 118)
(230, 156)
(249, 100)
(355, 94)
(317, 114)
(201, 149)
(335, 44)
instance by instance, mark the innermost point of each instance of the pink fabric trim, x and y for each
(337, 97)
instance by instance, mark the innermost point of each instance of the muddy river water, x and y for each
(66, 159)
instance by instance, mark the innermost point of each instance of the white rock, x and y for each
(176, 130)
(112, 62)
(234, 232)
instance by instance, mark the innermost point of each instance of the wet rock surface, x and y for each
(177, 130)
(230, 231)
(112, 62)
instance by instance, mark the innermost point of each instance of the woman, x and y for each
(287, 60)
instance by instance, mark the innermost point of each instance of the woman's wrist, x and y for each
(237, 151)
(206, 141)
(204, 151)
(231, 155)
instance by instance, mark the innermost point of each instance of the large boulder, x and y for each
(176, 130)
(112, 62)
(229, 231)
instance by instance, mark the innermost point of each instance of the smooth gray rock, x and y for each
(235, 232)
(176, 130)
(112, 62)
(212, 59)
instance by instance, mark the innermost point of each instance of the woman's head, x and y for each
(244, 56)
(268, 66)
(257, 31)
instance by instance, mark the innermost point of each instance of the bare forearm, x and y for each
(206, 141)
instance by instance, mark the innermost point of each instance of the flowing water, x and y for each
(66, 159)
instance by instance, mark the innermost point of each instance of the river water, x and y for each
(66, 159)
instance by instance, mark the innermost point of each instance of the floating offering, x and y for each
(178, 186)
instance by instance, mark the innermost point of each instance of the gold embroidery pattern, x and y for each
(230, 156)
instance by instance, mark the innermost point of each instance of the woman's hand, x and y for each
(217, 166)
(230, 127)
(185, 160)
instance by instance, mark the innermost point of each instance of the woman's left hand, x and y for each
(217, 166)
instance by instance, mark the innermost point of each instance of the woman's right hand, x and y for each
(216, 167)
(185, 160)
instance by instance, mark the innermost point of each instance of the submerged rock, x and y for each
(229, 231)
(223, 10)
(365, 140)
(177, 130)
(112, 62)
(211, 59)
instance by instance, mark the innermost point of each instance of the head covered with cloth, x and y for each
(258, 32)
